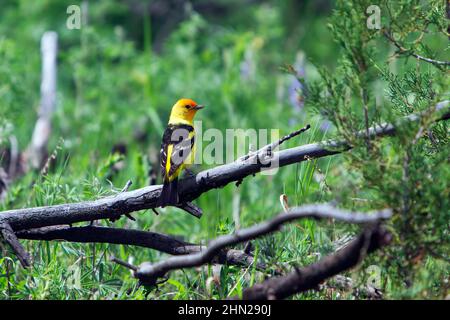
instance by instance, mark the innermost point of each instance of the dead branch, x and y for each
(191, 208)
(309, 277)
(98, 234)
(37, 151)
(123, 263)
(4, 183)
(145, 239)
(149, 273)
(191, 188)
(10, 238)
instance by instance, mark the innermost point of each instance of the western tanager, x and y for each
(177, 148)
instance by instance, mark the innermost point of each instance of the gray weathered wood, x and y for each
(150, 272)
(146, 239)
(38, 147)
(190, 188)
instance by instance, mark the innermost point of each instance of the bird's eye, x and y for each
(187, 106)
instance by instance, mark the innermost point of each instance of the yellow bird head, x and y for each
(183, 111)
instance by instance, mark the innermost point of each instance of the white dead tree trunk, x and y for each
(41, 134)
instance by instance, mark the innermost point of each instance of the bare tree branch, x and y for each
(98, 234)
(123, 263)
(145, 239)
(303, 279)
(149, 273)
(127, 186)
(10, 238)
(190, 188)
(37, 151)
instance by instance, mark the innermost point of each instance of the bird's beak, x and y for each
(198, 107)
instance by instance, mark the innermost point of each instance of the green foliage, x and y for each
(408, 172)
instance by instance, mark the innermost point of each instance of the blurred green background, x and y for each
(118, 77)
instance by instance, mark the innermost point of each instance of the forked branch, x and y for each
(190, 188)
(309, 277)
(149, 273)
(146, 239)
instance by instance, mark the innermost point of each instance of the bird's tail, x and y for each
(169, 194)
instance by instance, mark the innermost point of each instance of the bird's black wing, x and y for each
(182, 140)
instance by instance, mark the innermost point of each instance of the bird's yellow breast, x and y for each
(186, 163)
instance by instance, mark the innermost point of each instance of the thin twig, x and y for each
(127, 186)
(403, 50)
(268, 149)
(123, 263)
